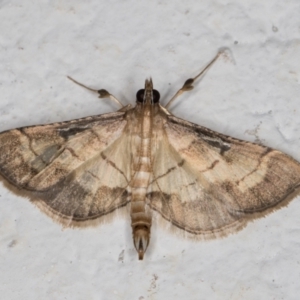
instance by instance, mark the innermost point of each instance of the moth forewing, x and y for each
(204, 183)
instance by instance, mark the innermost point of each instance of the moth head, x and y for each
(141, 238)
(148, 95)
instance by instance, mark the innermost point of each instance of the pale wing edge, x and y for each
(67, 221)
(243, 217)
(34, 198)
(227, 230)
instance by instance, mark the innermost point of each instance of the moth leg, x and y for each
(188, 85)
(102, 93)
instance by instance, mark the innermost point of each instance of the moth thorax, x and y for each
(141, 238)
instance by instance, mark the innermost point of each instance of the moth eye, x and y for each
(140, 96)
(156, 96)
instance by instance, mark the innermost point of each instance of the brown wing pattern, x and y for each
(76, 170)
(210, 184)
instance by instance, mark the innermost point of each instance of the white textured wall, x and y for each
(116, 45)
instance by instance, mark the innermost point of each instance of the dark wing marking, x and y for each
(210, 184)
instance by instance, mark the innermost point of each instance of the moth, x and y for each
(203, 182)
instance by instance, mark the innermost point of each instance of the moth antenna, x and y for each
(188, 85)
(102, 93)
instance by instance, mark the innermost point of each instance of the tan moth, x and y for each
(203, 182)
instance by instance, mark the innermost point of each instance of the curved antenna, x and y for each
(102, 93)
(188, 85)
